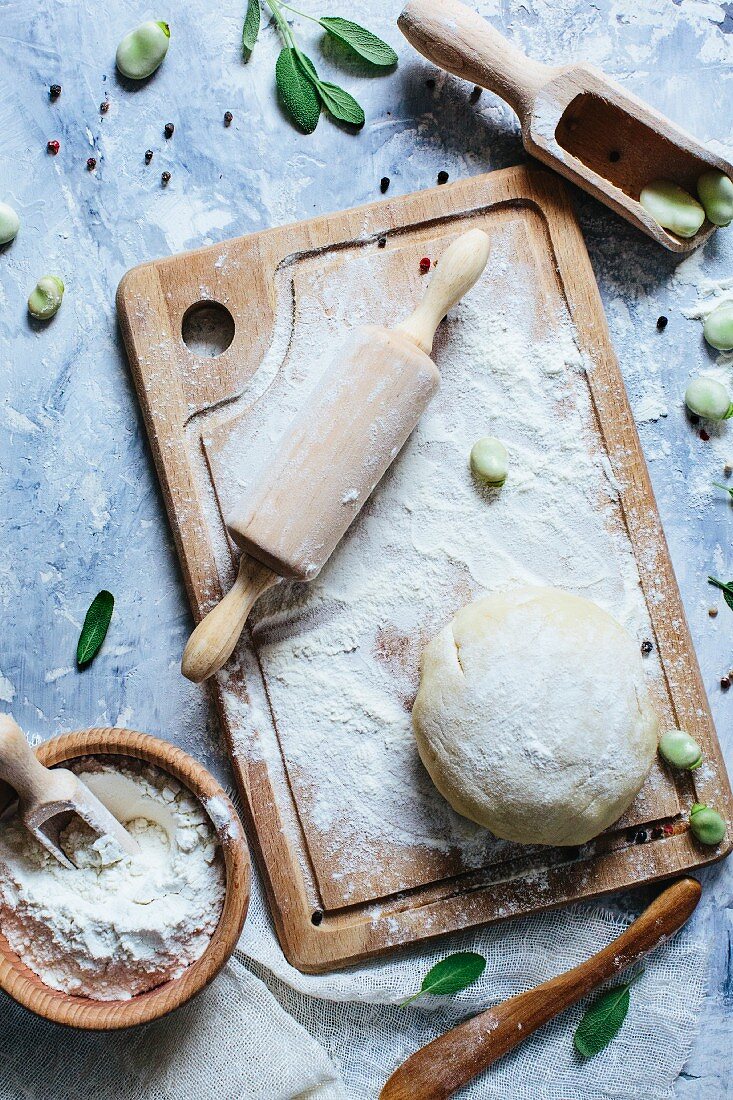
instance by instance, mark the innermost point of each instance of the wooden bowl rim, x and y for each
(25, 987)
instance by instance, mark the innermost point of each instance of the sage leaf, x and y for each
(337, 102)
(251, 28)
(726, 587)
(340, 104)
(451, 975)
(296, 89)
(726, 488)
(602, 1022)
(94, 630)
(360, 40)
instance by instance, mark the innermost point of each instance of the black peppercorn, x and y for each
(662, 323)
(228, 118)
(475, 95)
(384, 183)
(381, 242)
(165, 178)
(168, 129)
(54, 91)
(640, 837)
(442, 177)
(148, 155)
(646, 648)
(91, 164)
(657, 832)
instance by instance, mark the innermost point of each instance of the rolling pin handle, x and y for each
(457, 39)
(213, 641)
(460, 267)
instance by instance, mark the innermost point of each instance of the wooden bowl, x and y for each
(63, 1008)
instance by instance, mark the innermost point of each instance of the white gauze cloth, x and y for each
(263, 1031)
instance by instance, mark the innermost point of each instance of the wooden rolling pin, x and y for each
(573, 118)
(354, 422)
(449, 1062)
(49, 797)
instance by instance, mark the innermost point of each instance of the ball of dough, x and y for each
(533, 716)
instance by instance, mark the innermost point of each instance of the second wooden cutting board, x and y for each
(357, 850)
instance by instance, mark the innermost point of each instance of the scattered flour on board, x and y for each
(340, 656)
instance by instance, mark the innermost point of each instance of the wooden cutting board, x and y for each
(358, 852)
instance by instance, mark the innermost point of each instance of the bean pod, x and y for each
(141, 51)
(672, 207)
(45, 298)
(9, 223)
(490, 461)
(680, 750)
(707, 825)
(709, 399)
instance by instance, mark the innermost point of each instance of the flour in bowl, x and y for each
(113, 927)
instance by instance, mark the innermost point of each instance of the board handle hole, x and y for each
(207, 329)
(317, 917)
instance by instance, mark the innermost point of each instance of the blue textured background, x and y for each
(80, 503)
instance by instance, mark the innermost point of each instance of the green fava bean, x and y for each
(716, 194)
(672, 207)
(141, 51)
(45, 298)
(490, 461)
(707, 825)
(680, 750)
(718, 327)
(9, 223)
(707, 398)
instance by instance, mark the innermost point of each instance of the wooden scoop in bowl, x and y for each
(574, 118)
(48, 799)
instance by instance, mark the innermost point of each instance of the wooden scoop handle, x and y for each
(449, 1062)
(460, 267)
(19, 767)
(457, 39)
(213, 641)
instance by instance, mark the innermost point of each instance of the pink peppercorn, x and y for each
(425, 264)
(53, 147)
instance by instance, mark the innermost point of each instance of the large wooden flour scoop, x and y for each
(574, 118)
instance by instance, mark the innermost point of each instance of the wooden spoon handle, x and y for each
(214, 639)
(460, 267)
(457, 39)
(449, 1062)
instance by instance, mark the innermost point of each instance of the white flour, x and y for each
(111, 927)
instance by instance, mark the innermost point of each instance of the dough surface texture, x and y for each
(533, 716)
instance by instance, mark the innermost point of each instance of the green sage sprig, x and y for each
(450, 975)
(726, 587)
(603, 1020)
(301, 91)
(94, 630)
